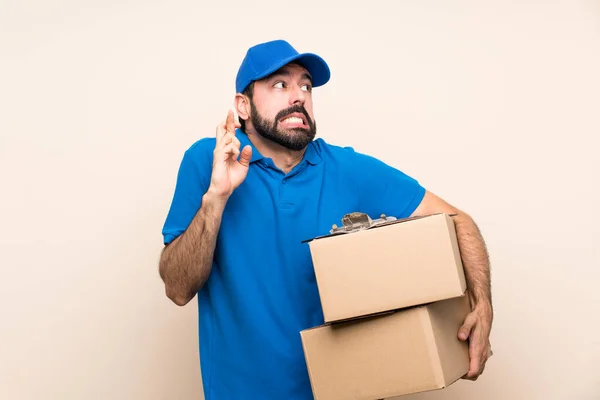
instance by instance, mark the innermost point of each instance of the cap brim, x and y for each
(314, 64)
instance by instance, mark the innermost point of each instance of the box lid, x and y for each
(358, 221)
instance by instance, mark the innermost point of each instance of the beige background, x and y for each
(493, 105)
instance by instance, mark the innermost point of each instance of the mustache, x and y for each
(297, 108)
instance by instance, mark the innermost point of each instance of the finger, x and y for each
(477, 353)
(223, 149)
(221, 131)
(474, 367)
(246, 156)
(230, 124)
(226, 140)
(465, 330)
(231, 151)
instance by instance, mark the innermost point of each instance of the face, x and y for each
(281, 108)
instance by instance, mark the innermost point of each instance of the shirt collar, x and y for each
(311, 155)
(245, 140)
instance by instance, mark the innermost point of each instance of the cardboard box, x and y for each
(403, 352)
(398, 264)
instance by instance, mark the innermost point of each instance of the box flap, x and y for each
(360, 317)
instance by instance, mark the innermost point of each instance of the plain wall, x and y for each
(493, 105)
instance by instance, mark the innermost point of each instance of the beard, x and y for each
(293, 138)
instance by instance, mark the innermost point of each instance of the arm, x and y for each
(478, 323)
(185, 263)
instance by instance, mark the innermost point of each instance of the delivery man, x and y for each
(244, 201)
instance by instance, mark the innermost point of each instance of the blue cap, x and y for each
(265, 58)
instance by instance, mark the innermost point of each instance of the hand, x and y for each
(476, 329)
(228, 172)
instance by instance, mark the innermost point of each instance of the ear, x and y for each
(242, 106)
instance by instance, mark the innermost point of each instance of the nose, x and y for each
(298, 96)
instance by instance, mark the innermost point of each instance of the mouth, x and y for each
(295, 120)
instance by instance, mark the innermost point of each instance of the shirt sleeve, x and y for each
(383, 189)
(193, 180)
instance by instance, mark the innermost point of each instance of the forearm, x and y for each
(186, 263)
(475, 261)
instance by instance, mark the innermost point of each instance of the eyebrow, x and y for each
(307, 77)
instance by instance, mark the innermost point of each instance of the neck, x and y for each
(283, 158)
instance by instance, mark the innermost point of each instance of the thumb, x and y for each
(246, 156)
(465, 330)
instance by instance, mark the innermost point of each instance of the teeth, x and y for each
(293, 120)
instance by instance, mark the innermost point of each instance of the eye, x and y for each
(306, 88)
(279, 85)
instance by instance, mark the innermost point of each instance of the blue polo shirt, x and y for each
(262, 291)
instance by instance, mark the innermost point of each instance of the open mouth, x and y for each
(295, 120)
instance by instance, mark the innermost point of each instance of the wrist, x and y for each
(484, 308)
(213, 199)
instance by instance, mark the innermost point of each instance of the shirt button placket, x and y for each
(283, 191)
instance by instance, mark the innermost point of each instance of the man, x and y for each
(243, 203)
